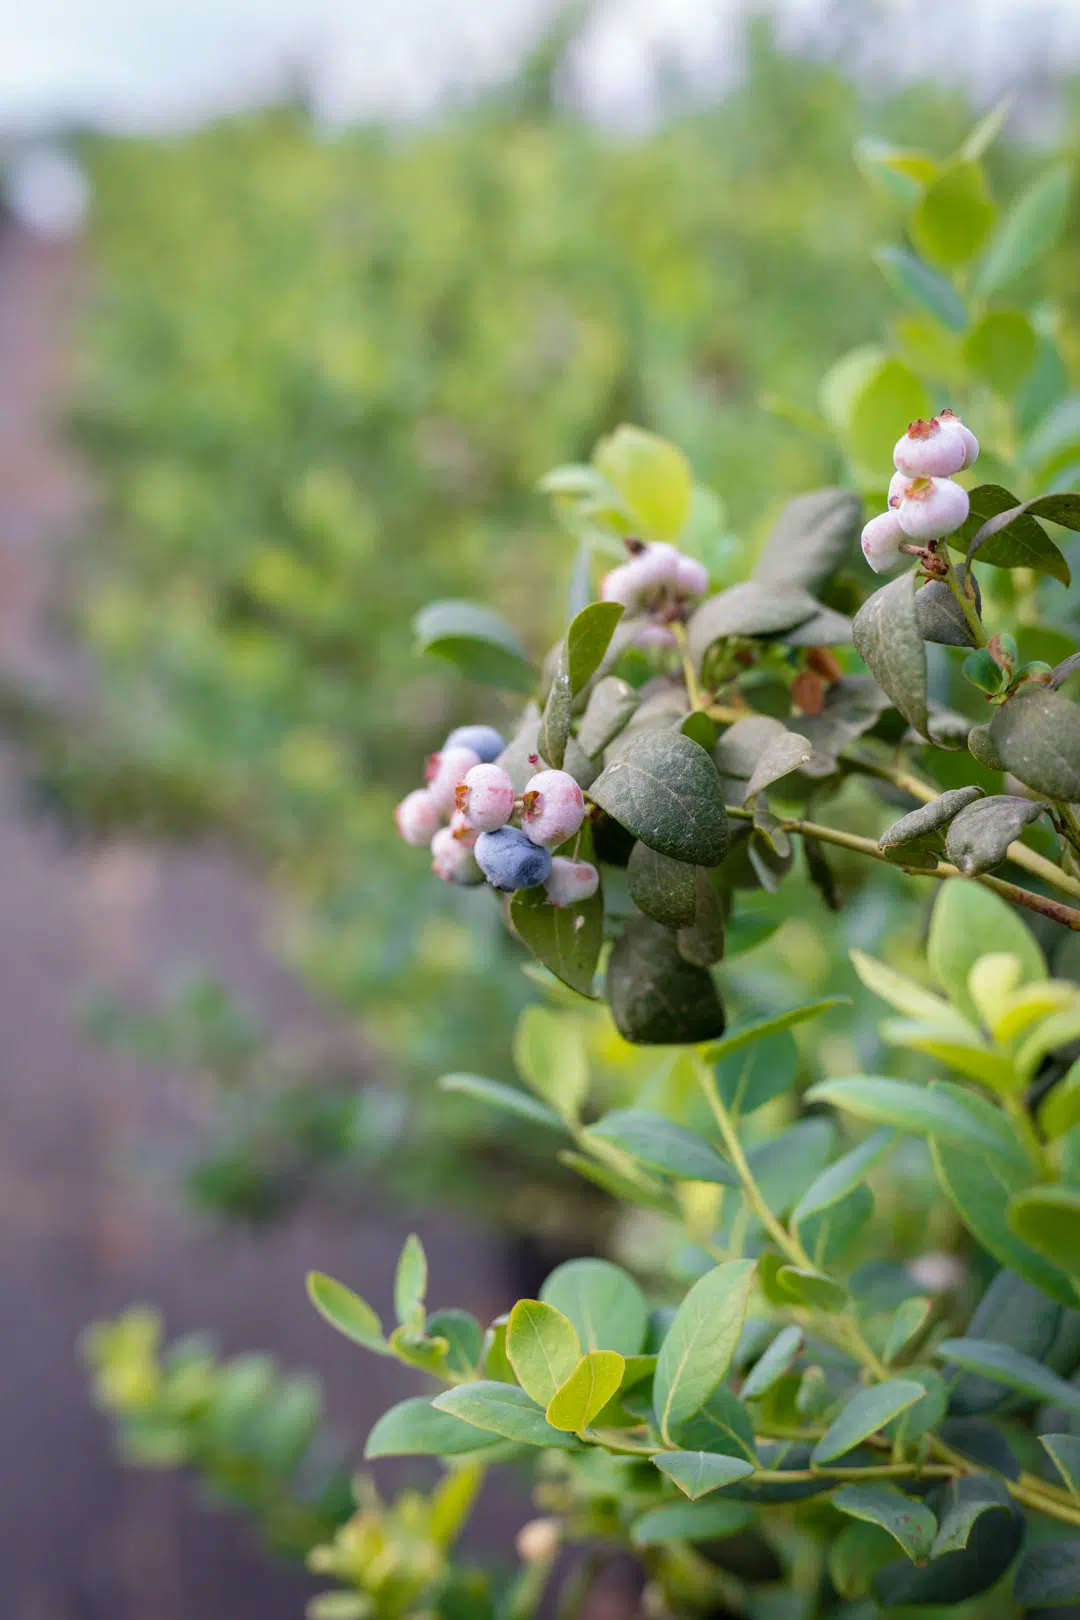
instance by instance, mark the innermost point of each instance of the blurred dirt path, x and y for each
(83, 1232)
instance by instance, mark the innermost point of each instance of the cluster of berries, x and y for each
(659, 580)
(924, 503)
(464, 814)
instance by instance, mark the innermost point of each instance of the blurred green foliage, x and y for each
(322, 378)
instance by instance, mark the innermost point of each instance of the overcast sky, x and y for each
(152, 64)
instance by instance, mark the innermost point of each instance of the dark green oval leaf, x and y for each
(888, 638)
(696, 1473)
(665, 790)
(813, 535)
(664, 889)
(867, 1412)
(1037, 735)
(474, 638)
(909, 1522)
(1004, 1365)
(656, 997)
(979, 837)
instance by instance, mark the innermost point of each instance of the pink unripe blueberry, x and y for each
(652, 634)
(620, 585)
(417, 817)
(445, 771)
(485, 799)
(949, 419)
(929, 450)
(461, 830)
(932, 508)
(881, 542)
(553, 808)
(657, 566)
(571, 881)
(452, 860)
(691, 577)
(897, 484)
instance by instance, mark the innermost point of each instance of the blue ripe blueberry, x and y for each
(511, 861)
(484, 741)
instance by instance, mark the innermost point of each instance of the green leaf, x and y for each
(1010, 1312)
(889, 392)
(786, 1163)
(588, 639)
(587, 1390)
(751, 1076)
(953, 218)
(664, 889)
(655, 996)
(555, 721)
(611, 703)
(773, 1364)
(700, 1343)
(603, 1302)
(742, 1035)
(979, 1186)
(660, 1145)
(867, 1412)
(1048, 1219)
(856, 1553)
(722, 1425)
(813, 1289)
(941, 618)
(1037, 735)
(888, 638)
(1010, 537)
(967, 920)
(1064, 1451)
(847, 1173)
(411, 1344)
(966, 1499)
(464, 1339)
(566, 939)
(813, 535)
(1004, 1365)
(690, 1521)
(748, 610)
(542, 1347)
(985, 132)
(502, 1409)
(494, 1362)
(910, 1319)
(778, 759)
(415, 1428)
(956, 1576)
(550, 1056)
(410, 1283)
(652, 476)
(1049, 1574)
(664, 789)
(942, 1111)
(509, 1098)
(979, 837)
(919, 825)
(1028, 230)
(347, 1312)
(474, 638)
(921, 288)
(908, 1521)
(1001, 349)
(1059, 1111)
(696, 1473)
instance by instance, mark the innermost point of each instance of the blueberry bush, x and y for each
(834, 1358)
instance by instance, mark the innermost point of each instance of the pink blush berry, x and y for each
(444, 772)
(691, 577)
(452, 861)
(897, 484)
(949, 419)
(465, 835)
(932, 508)
(619, 586)
(571, 881)
(881, 542)
(657, 566)
(485, 799)
(553, 808)
(929, 450)
(417, 817)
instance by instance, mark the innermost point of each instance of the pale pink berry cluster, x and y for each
(924, 502)
(465, 812)
(659, 580)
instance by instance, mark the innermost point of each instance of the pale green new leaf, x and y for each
(543, 1348)
(700, 1343)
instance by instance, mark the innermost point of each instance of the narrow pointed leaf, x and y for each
(1049, 1574)
(1010, 1367)
(347, 1312)
(864, 1415)
(840, 1178)
(587, 641)
(700, 1343)
(660, 1145)
(1064, 1450)
(773, 1364)
(511, 1099)
(942, 1110)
